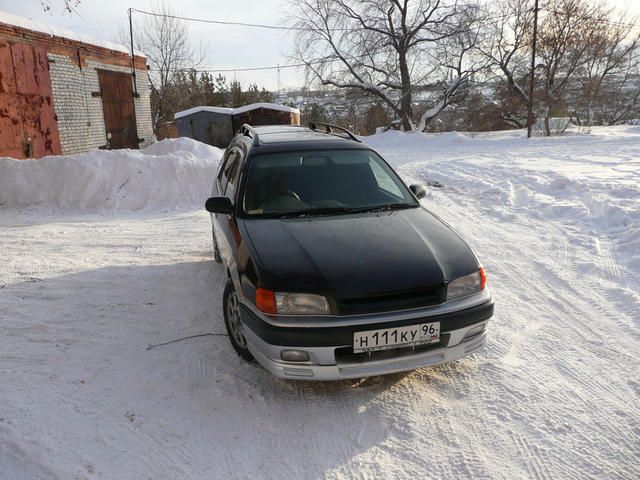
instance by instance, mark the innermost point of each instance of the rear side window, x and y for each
(229, 171)
(232, 173)
(222, 180)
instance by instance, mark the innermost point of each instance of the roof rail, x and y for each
(332, 129)
(248, 131)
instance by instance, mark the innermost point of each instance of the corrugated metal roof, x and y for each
(236, 111)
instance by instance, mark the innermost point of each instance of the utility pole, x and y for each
(133, 59)
(533, 69)
(278, 79)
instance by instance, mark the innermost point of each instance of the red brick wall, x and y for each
(69, 47)
(29, 126)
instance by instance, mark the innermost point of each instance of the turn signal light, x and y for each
(266, 301)
(294, 356)
(483, 278)
(477, 330)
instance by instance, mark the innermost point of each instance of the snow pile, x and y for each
(114, 363)
(579, 182)
(171, 174)
(415, 140)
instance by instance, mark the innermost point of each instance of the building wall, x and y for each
(218, 129)
(265, 116)
(72, 69)
(209, 127)
(79, 111)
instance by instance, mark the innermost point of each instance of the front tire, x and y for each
(233, 321)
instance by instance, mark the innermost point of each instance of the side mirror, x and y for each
(219, 205)
(418, 191)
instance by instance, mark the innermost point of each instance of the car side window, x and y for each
(221, 178)
(231, 172)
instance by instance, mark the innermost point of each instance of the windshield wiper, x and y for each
(314, 211)
(382, 208)
(344, 210)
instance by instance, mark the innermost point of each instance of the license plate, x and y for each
(387, 338)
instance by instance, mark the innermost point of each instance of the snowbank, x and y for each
(171, 174)
(83, 396)
(578, 182)
(413, 140)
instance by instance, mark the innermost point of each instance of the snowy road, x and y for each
(554, 395)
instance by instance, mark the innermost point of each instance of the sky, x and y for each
(228, 47)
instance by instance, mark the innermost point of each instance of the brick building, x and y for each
(64, 93)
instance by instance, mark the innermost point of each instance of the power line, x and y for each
(270, 67)
(254, 25)
(278, 67)
(484, 21)
(243, 69)
(281, 27)
(222, 22)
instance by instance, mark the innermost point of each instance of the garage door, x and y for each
(116, 90)
(28, 126)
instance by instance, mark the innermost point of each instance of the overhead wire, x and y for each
(274, 27)
(224, 22)
(484, 22)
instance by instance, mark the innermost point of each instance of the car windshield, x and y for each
(322, 182)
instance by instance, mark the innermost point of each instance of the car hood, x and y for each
(357, 254)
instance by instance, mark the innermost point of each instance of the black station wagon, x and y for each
(335, 269)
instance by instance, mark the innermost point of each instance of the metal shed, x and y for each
(217, 125)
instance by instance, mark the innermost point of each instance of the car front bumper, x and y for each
(328, 342)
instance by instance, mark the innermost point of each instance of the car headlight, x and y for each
(301, 304)
(467, 285)
(291, 303)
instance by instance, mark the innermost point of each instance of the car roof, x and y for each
(292, 133)
(292, 137)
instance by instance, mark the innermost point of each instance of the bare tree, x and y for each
(387, 48)
(165, 41)
(565, 35)
(623, 102)
(612, 63)
(457, 63)
(507, 48)
(580, 50)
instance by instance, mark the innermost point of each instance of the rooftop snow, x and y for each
(236, 111)
(28, 24)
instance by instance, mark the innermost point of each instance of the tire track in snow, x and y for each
(605, 249)
(533, 458)
(578, 308)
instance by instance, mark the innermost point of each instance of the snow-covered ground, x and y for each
(86, 287)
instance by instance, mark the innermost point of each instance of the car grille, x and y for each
(423, 297)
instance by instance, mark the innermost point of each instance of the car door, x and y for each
(216, 191)
(225, 226)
